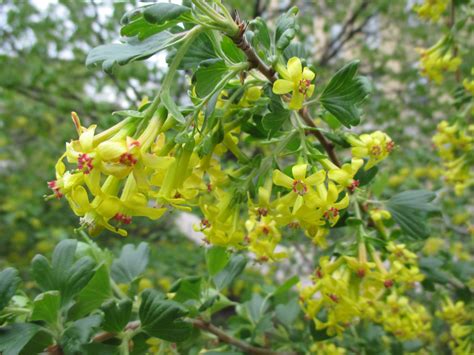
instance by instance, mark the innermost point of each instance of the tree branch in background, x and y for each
(348, 31)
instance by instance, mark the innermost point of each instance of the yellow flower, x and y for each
(297, 80)
(439, 59)
(375, 146)
(431, 9)
(344, 175)
(252, 94)
(301, 186)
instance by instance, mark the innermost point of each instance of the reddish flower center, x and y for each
(56, 189)
(376, 150)
(205, 224)
(333, 297)
(122, 218)
(128, 159)
(261, 211)
(390, 146)
(333, 212)
(355, 184)
(84, 163)
(361, 273)
(299, 187)
(303, 86)
(388, 283)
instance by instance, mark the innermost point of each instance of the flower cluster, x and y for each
(459, 319)
(439, 59)
(349, 288)
(375, 146)
(106, 177)
(454, 145)
(431, 9)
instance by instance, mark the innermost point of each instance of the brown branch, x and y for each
(256, 63)
(228, 339)
(347, 32)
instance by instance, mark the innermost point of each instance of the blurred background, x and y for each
(43, 46)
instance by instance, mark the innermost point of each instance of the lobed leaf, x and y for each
(343, 94)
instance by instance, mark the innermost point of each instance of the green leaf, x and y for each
(287, 313)
(233, 269)
(79, 333)
(216, 259)
(96, 292)
(46, 307)
(232, 52)
(116, 315)
(366, 176)
(129, 113)
(15, 336)
(208, 75)
(286, 286)
(286, 28)
(163, 318)
(200, 50)
(274, 120)
(64, 274)
(409, 210)
(9, 281)
(164, 12)
(187, 288)
(343, 94)
(131, 263)
(261, 33)
(131, 50)
(171, 106)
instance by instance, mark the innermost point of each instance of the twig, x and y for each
(329, 51)
(228, 339)
(255, 62)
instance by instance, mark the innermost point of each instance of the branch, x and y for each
(330, 51)
(256, 63)
(228, 339)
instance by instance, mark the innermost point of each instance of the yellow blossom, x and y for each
(297, 80)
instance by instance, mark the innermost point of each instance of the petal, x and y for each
(281, 179)
(156, 162)
(338, 175)
(282, 86)
(298, 204)
(108, 207)
(343, 203)
(310, 91)
(299, 171)
(93, 181)
(87, 138)
(332, 193)
(295, 69)
(296, 101)
(316, 178)
(110, 150)
(79, 201)
(359, 152)
(308, 74)
(356, 164)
